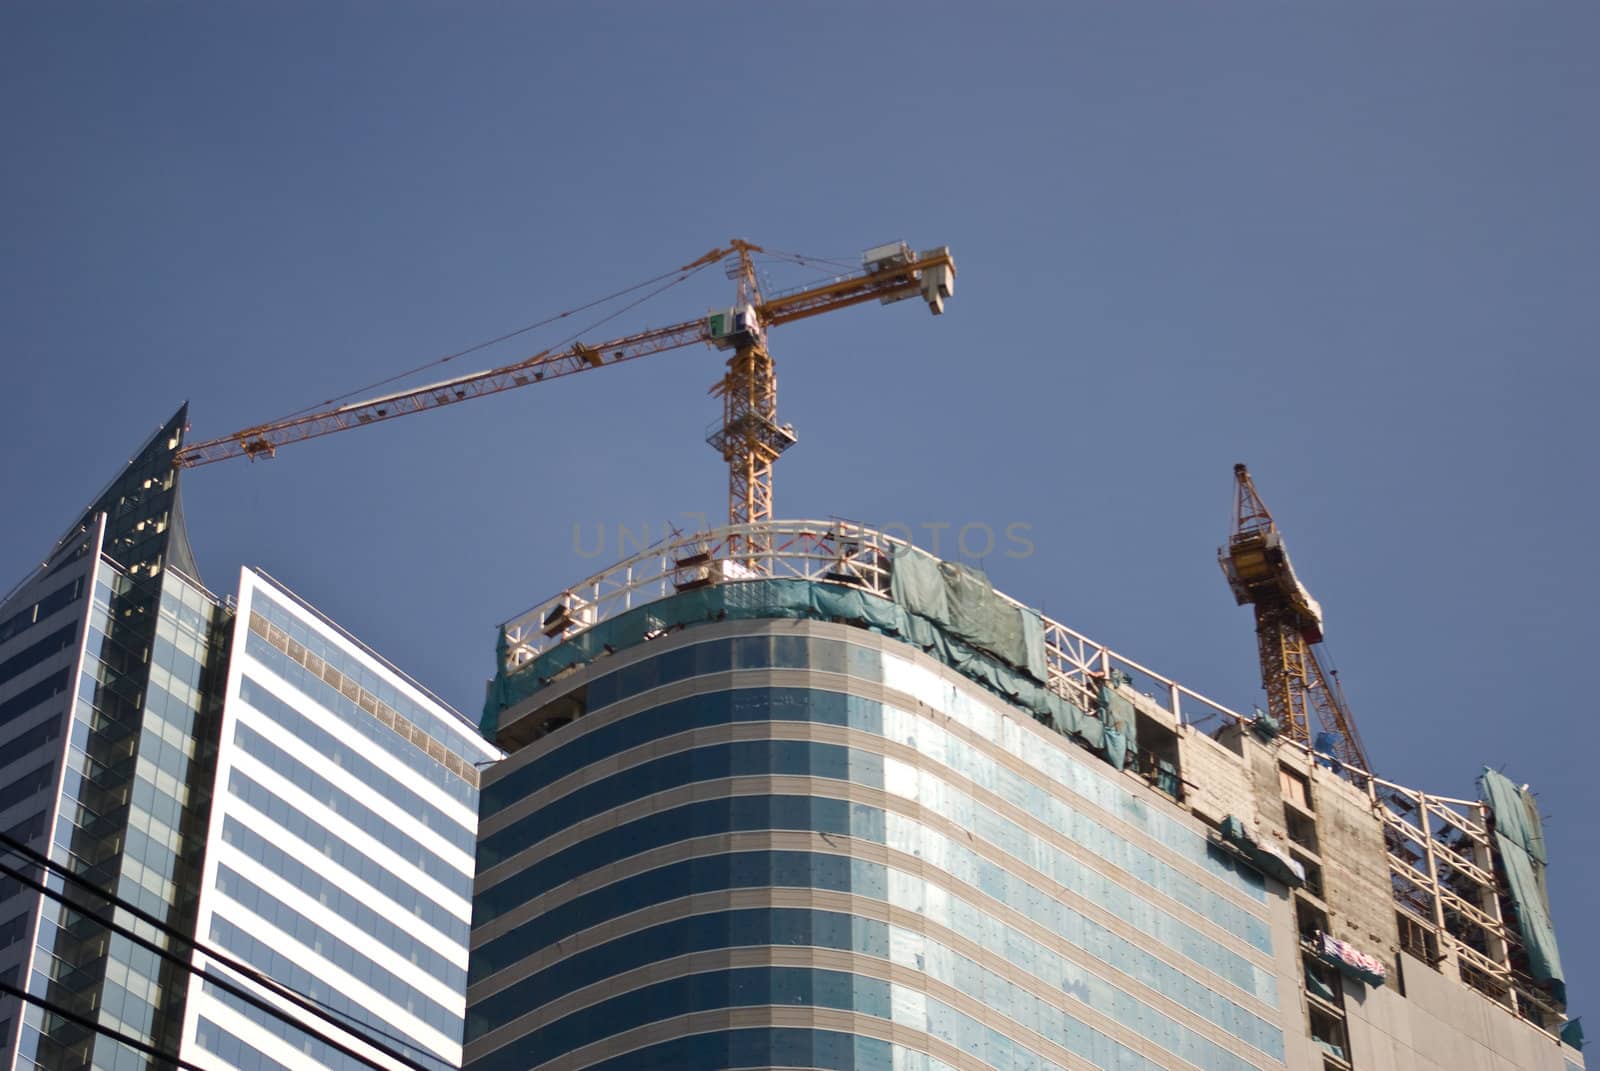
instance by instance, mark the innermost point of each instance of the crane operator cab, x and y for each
(735, 327)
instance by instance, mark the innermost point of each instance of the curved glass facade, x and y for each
(780, 844)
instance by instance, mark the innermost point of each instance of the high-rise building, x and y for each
(244, 772)
(841, 805)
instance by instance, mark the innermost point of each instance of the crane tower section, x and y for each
(749, 437)
(1288, 624)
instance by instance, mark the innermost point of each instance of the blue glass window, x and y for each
(358, 814)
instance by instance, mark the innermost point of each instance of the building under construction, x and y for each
(843, 805)
(797, 794)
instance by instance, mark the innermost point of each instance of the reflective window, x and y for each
(294, 821)
(445, 731)
(357, 814)
(321, 1052)
(217, 1041)
(31, 696)
(60, 640)
(836, 817)
(24, 785)
(360, 767)
(922, 952)
(35, 737)
(761, 1047)
(53, 603)
(838, 763)
(285, 969)
(349, 711)
(340, 953)
(347, 904)
(757, 986)
(1065, 763)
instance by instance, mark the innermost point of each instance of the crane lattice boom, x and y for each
(749, 437)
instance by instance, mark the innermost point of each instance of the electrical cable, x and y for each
(99, 1028)
(330, 1015)
(308, 1004)
(218, 980)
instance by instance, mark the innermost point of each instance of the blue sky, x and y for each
(1353, 246)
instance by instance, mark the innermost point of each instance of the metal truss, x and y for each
(1442, 872)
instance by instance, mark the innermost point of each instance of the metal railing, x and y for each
(834, 552)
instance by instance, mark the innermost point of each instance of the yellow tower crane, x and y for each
(1288, 625)
(749, 437)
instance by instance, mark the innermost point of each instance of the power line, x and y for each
(166, 954)
(331, 1016)
(99, 1028)
(322, 1011)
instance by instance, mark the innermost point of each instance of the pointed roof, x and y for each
(144, 513)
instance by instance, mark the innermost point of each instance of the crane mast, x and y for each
(749, 437)
(1288, 625)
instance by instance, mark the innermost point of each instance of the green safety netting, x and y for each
(1120, 721)
(756, 599)
(1519, 836)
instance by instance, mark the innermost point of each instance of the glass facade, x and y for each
(123, 787)
(341, 840)
(244, 772)
(880, 844)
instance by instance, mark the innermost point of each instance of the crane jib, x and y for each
(890, 273)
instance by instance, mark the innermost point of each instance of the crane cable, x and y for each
(806, 262)
(681, 274)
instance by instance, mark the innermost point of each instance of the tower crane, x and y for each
(1288, 625)
(749, 437)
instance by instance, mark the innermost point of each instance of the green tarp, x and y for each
(1519, 836)
(1265, 726)
(756, 599)
(1120, 721)
(1269, 860)
(960, 600)
(917, 585)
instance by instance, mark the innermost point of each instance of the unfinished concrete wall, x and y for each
(1442, 1025)
(1261, 763)
(1215, 785)
(1355, 868)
